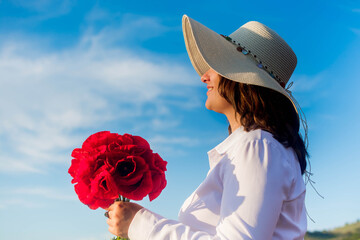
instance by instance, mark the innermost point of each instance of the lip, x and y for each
(210, 88)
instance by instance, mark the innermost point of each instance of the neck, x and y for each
(233, 120)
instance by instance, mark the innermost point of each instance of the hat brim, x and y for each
(208, 49)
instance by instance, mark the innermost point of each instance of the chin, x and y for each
(208, 106)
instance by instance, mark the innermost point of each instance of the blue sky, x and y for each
(72, 68)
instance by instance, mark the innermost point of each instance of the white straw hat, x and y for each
(253, 54)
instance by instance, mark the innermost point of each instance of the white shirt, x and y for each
(254, 190)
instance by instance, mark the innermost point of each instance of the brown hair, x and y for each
(262, 108)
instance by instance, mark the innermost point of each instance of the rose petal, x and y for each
(73, 170)
(159, 183)
(139, 191)
(126, 139)
(96, 139)
(140, 167)
(158, 163)
(141, 142)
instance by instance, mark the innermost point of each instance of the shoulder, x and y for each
(257, 141)
(257, 147)
(257, 156)
(260, 135)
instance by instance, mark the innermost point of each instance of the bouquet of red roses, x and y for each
(109, 165)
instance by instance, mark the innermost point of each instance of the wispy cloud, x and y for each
(306, 83)
(49, 97)
(16, 202)
(32, 197)
(184, 141)
(356, 31)
(174, 146)
(12, 166)
(43, 192)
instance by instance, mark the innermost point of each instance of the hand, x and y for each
(120, 216)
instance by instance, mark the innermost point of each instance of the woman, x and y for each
(254, 188)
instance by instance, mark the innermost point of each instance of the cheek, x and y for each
(216, 102)
(224, 105)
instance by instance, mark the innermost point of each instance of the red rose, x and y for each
(158, 168)
(109, 165)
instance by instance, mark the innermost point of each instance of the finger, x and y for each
(111, 207)
(111, 229)
(115, 205)
(114, 230)
(110, 222)
(111, 214)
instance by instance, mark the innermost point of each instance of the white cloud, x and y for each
(14, 166)
(16, 202)
(50, 97)
(356, 31)
(184, 141)
(43, 192)
(160, 124)
(305, 83)
(122, 28)
(32, 197)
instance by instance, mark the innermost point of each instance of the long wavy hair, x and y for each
(262, 108)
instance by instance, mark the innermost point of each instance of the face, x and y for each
(214, 100)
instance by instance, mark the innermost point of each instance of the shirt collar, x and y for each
(215, 153)
(228, 142)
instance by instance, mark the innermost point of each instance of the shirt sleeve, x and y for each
(255, 183)
(147, 225)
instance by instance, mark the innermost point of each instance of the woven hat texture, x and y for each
(208, 49)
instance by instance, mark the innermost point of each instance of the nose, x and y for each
(205, 78)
